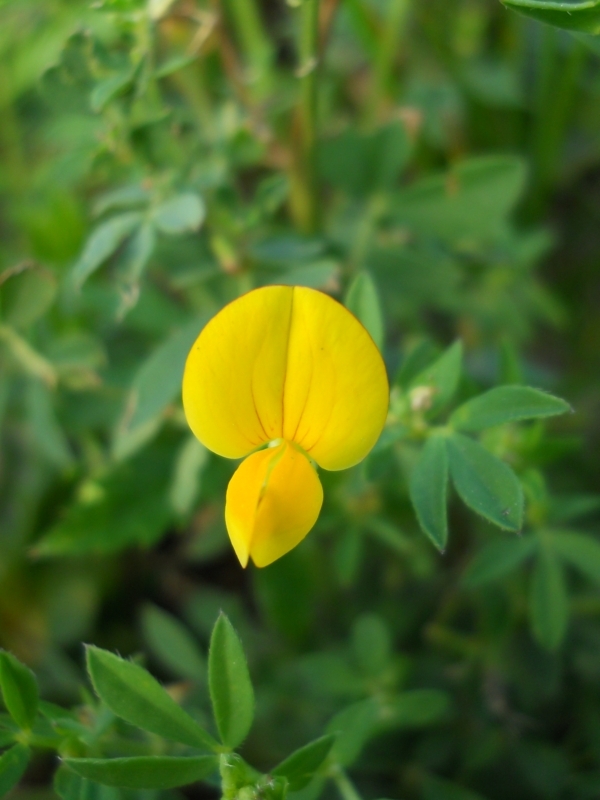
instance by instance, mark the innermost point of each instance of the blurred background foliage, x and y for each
(441, 160)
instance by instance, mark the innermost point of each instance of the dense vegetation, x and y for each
(436, 166)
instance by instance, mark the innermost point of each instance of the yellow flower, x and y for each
(291, 368)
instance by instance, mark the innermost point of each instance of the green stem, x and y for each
(304, 179)
(393, 30)
(254, 42)
(345, 786)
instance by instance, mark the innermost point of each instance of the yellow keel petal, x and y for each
(273, 500)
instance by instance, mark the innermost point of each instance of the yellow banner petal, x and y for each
(273, 500)
(336, 388)
(234, 374)
(287, 362)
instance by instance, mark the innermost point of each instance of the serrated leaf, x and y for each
(144, 772)
(19, 690)
(506, 404)
(229, 682)
(362, 300)
(548, 600)
(103, 243)
(429, 490)
(13, 764)
(580, 550)
(180, 214)
(134, 695)
(172, 644)
(496, 559)
(485, 484)
(441, 378)
(300, 767)
(571, 14)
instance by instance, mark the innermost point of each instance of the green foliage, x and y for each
(231, 690)
(144, 772)
(134, 695)
(13, 763)
(485, 483)
(434, 166)
(579, 16)
(301, 765)
(428, 490)
(19, 690)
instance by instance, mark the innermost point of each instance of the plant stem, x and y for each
(345, 786)
(254, 42)
(304, 179)
(394, 27)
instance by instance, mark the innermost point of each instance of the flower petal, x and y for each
(273, 500)
(286, 362)
(235, 372)
(336, 388)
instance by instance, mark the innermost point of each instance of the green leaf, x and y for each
(180, 214)
(301, 765)
(579, 550)
(28, 359)
(496, 559)
(571, 14)
(360, 164)
(371, 644)
(415, 709)
(471, 201)
(109, 88)
(103, 243)
(353, 727)
(128, 196)
(13, 764)
(485, 484)
(172, 644)
(229, 682)
(136, 254)
(416, 359)
(49, 435)
(69, 786)
(362, 300)
(19, 690)
(189, 466)
(26, 294)
(441, 378)
(144, 772)
(127, 506)
(506, 404)
(429, 490)
(156, 384)
(315, 274)
(437, 789)
(134, 695)
(548, 601)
